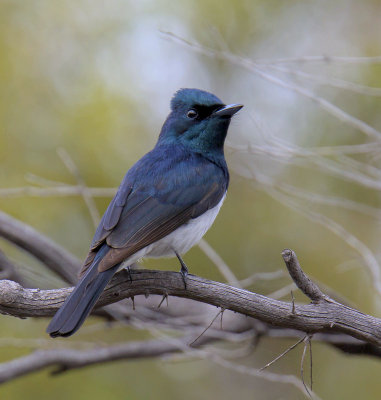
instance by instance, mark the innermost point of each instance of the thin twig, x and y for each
(40, 180)
(283, 354)
(282, 292)
(305, 340)
(85, 193)
(363, 148)
(254, 67)
(202, 333)
(366, 254)
(290, 379)
(165, 297)
(310, 347)
(56, 191)
(326, 59)
(293, 302)
(329, 81)
(259, 276)
(224, 269)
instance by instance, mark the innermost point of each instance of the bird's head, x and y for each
(199, 120)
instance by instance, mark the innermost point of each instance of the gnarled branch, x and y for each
(331, 321)
(325, 315)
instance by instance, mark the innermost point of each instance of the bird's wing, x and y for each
(139, 216)
(112, 214)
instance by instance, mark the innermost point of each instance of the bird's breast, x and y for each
(184, 237)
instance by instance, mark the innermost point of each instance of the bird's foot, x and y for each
(128, 271)
(183, 270)
(184, 274)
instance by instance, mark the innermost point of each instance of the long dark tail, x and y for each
(82, 299)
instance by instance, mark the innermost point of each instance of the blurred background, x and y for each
(85, 88)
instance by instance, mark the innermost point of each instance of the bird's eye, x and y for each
(192, 114)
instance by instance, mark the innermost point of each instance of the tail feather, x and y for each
(82, 299)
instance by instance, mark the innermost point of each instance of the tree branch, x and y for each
(49, 253)
(321, 316)
(302, 281)
(324, 316)
(65, 359)
(9, 271)
(56, 191)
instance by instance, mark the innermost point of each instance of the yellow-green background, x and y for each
(96, 78)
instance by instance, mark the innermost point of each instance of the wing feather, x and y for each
(147, 209)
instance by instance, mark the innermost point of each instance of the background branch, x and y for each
(64, 359)
(49, 253)
(9, 271)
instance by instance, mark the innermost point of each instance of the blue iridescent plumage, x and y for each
(165, 203)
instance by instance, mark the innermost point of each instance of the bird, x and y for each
(164, 205)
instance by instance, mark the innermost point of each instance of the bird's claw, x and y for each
(183, 270)
(184, 274)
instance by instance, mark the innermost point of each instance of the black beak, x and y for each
(228, 110)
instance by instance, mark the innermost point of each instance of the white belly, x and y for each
(180, 240)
